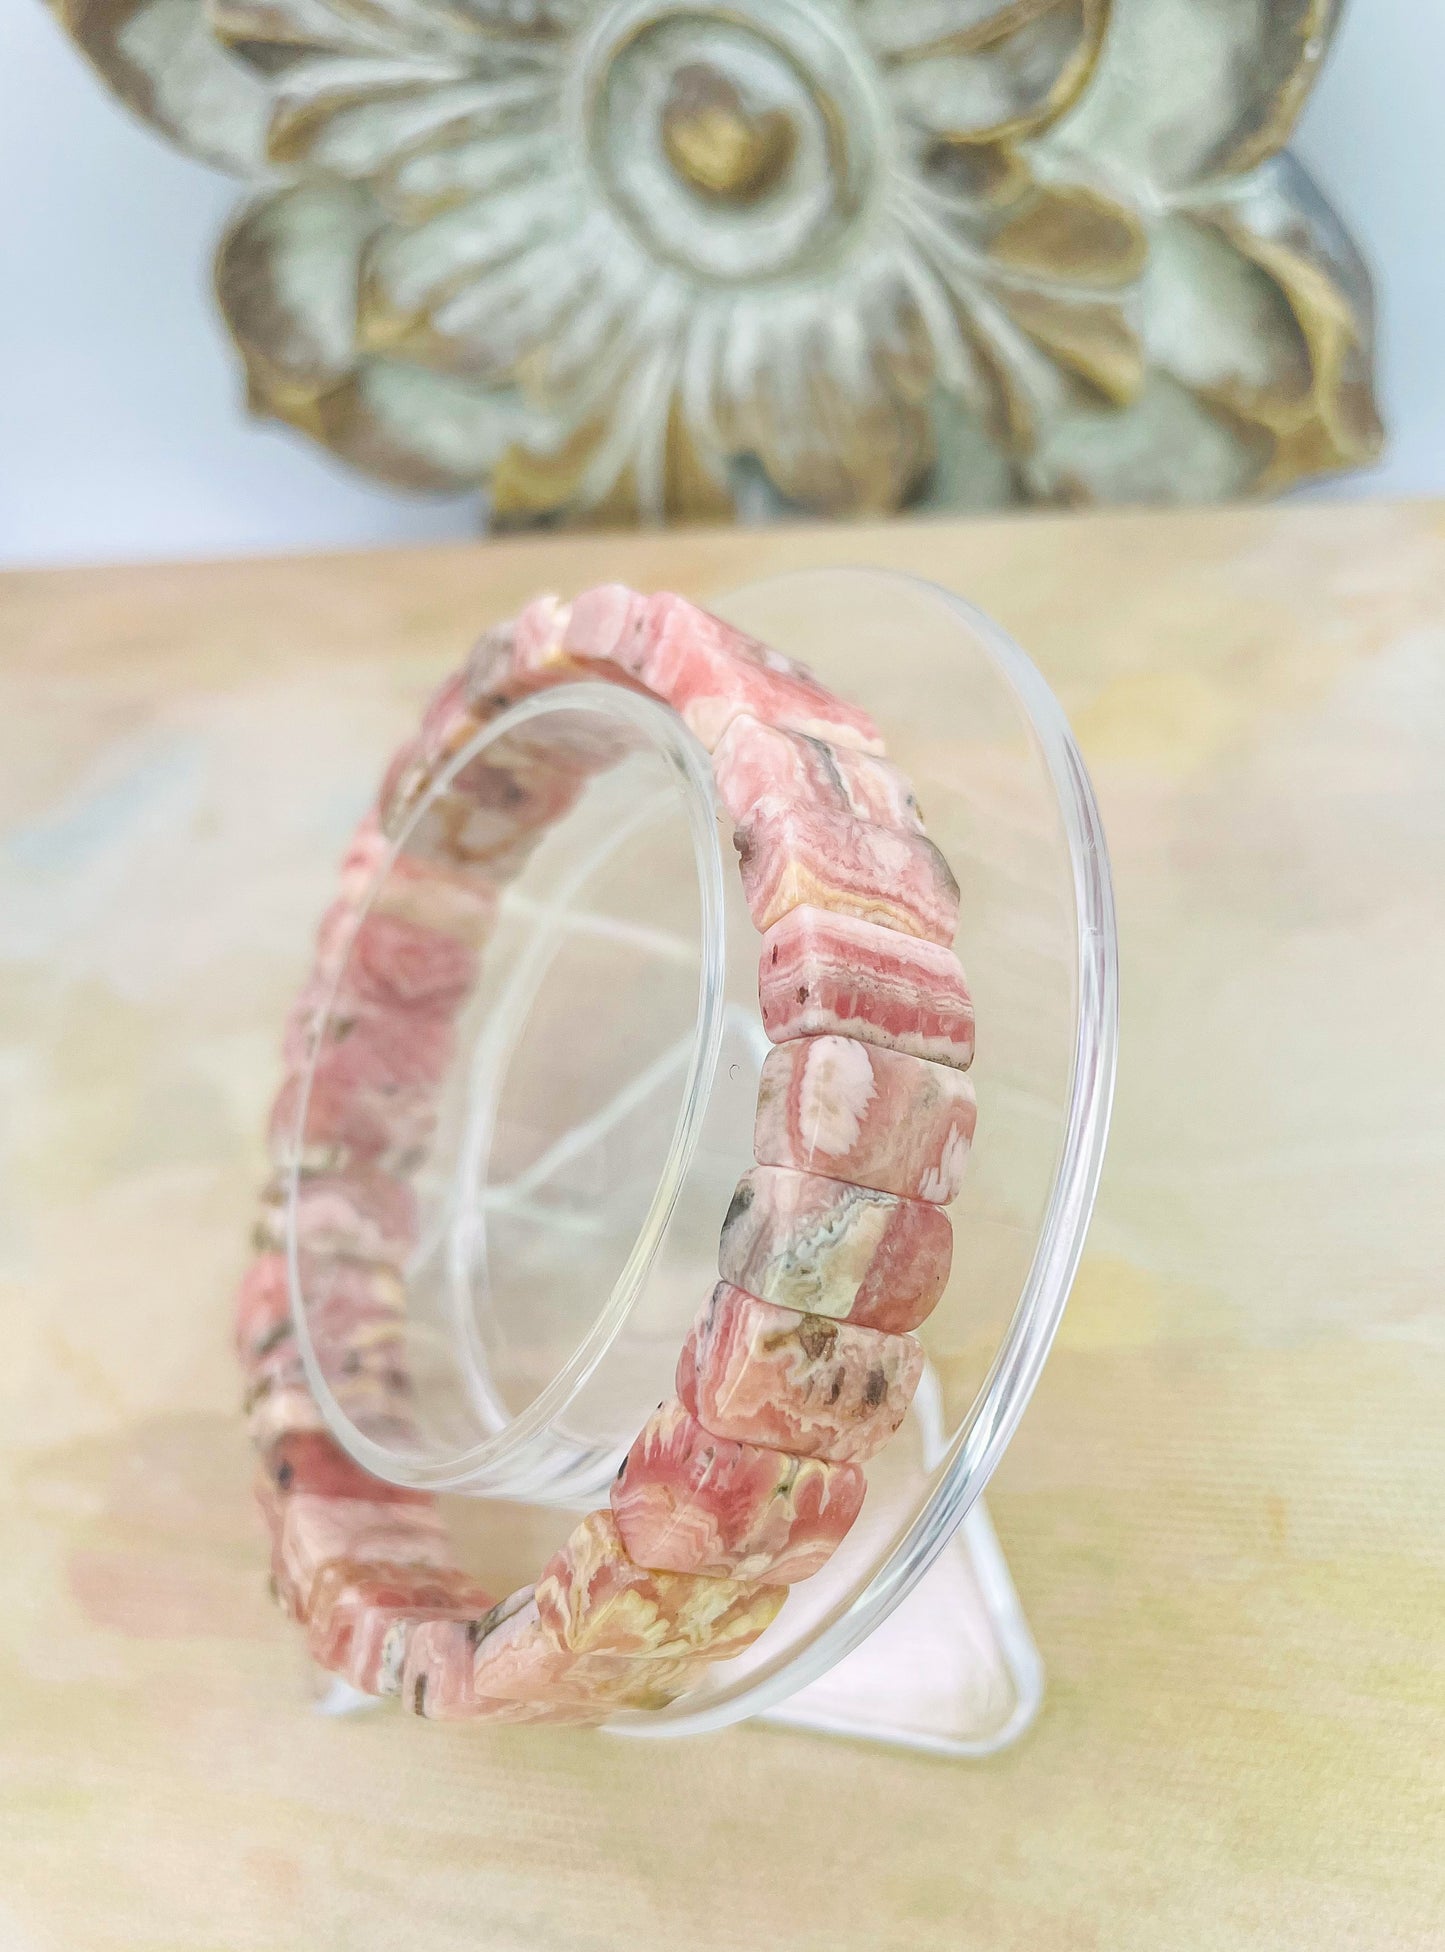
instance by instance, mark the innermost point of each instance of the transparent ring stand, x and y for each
(598, 1112)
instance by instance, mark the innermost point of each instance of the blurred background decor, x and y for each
(620, 260)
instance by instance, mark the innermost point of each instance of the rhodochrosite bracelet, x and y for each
(801, 1364)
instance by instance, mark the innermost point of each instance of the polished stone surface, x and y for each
(832, 1249)
(874, 1117)
(687, 1501)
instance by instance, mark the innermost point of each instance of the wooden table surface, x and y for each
(1225, 1510)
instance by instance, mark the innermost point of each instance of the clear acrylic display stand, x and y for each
(599, 1112)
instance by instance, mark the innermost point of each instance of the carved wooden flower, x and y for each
(654, 258)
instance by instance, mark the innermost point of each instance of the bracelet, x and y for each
(801, 1364)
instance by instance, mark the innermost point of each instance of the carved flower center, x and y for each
(717, 143)
(738, 143)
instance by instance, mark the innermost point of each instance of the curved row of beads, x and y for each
(801, 1364)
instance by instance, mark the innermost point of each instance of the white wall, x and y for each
(120, 429)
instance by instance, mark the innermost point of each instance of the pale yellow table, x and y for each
(1225, 1511)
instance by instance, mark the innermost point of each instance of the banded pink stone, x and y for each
(346, 1118)
(390, 962)
(437, 1680)
(309, 1531)
(445, 899)
(753, 760)
(795, 855)
(704, 668)
(521, 1661)
(361, 1211)
(315, 1463)
(346, 1298)
(372, 1091)
(263, 1307)
(592, 1599)
(354, 1312)
(828, 1248)
(686, 1501)
(789, 1381)
(822, 974)
(286, 1411)
(871, 1116)
(357, 1606)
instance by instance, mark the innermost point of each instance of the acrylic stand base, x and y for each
(602, 1111)
(953, 1669)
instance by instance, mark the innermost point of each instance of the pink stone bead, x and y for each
(360, 1211)
(707, 671)
(314, 1462)
(279, 1413)
(390, 962)
(447, 900)
(346, 1298)
(794, 854)
(436, 1676)
(449, 723)
(801, 1383)
(358, 1605)
(263, 1306)
(438, 1681)
(874, 1117)
(593, 1599)
(373, 1089)
(828, 1248)
(686, 1501)
(753, 760)
(349, 1119)
(309, 1531)
(822, 973)
(521, 1661)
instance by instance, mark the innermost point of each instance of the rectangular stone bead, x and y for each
(349, 1119)
(447, 900)
(350, 1297)
(471, 825)
(279, 1413)
(343, 1298)
(389, 962)
(686, 1501)
(822, 974)
(753, 760)
(309, 1531)
(357, 1606)
(706, 670)
(437, 1681)
(828, 1248)
(874, 1117)
(795, 855)
(521, 1661)
(449, 722)
(593, 1599)
(789, 1381)
(373, 1091)
(360, 1211)
(523, 780)
(436, 1678)
(263, 1307)
(314, 1463)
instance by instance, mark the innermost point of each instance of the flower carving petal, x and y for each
(1271, 255)
(165, 63)
(286, 277)
(1184, 93)
(978, 70)
(635, 260)
(830, 398)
